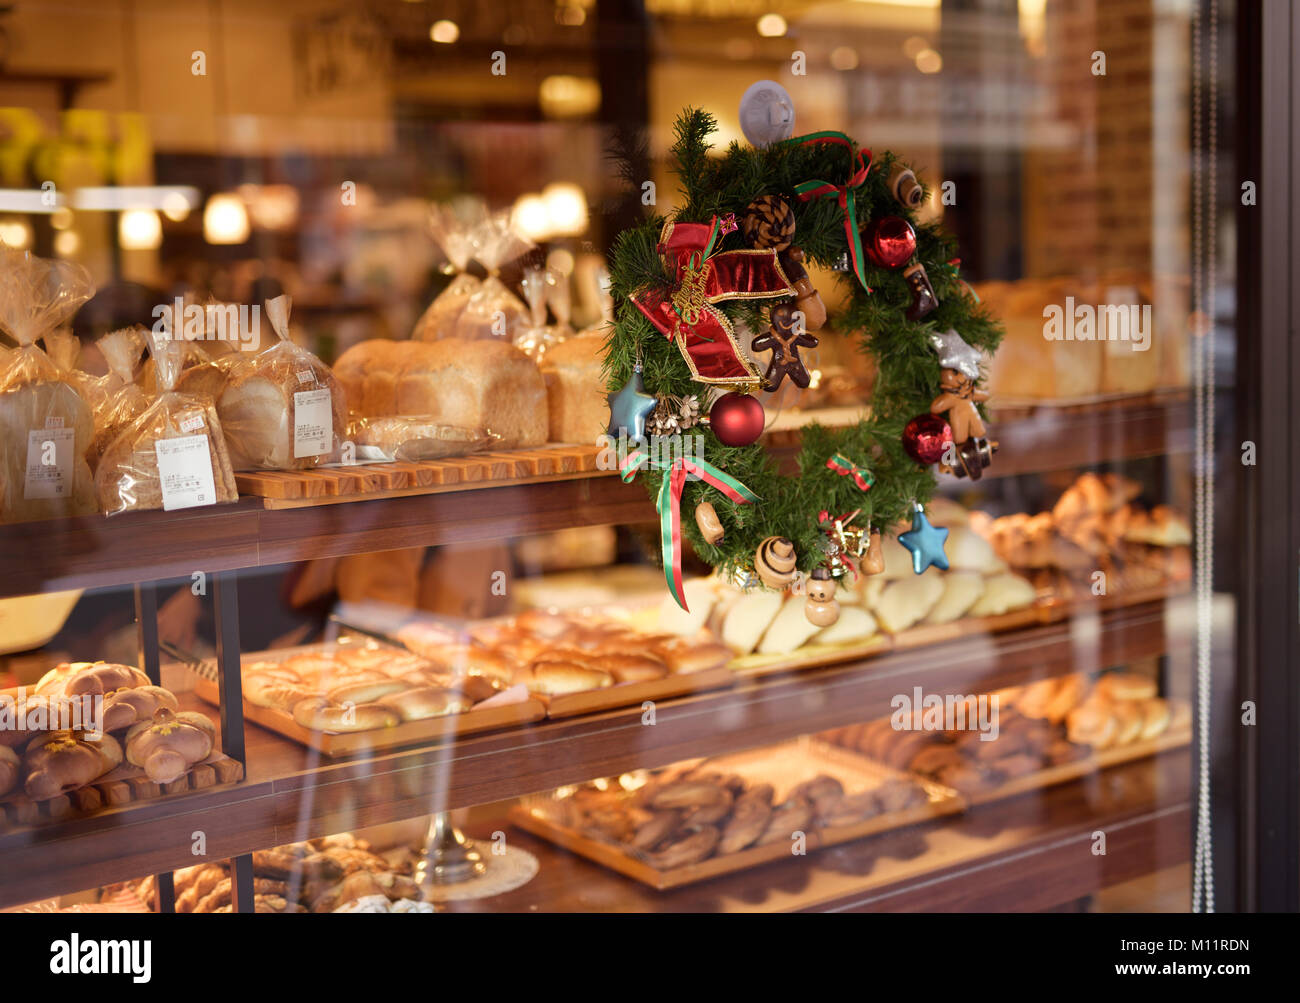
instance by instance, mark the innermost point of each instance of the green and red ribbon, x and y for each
(859, 164)
(669, 504)
(845, 467)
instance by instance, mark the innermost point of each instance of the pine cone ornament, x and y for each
(768, 222)
(688, 416)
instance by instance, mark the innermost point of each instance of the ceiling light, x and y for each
(444, 32)
(771, 26)
(139, 230)
(565, 96)
(929, 61)
(566, 208)
(225, 220)
(531, 218)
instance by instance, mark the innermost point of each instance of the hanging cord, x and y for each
(1204, 260)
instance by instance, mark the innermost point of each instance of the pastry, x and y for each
(748, 618)
(749, 818)
(319, 714)
(553, 677)
(66, 760)
(126, 707)
(684, 656)
(1092, 724)
(789, 629)
(1003, 593)
(365, 692)
(73, 679)
(655, 829)
(631, 668)
(908, 600)
(689, 848)
(1155, 718)
(423, 702)
(853, 625)
(169, 744)
(791, 816)
(1126, 686)
(9, 768)
(689, 794)
(961, 589)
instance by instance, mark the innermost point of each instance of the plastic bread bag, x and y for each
(173, 455)
(45, 424)
(452, 235)
(120, 400)
(494, 311)
(411, 438)
(282, 408)
(64, 349)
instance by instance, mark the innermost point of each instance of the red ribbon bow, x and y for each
(701, 279)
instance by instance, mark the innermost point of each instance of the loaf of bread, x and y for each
(575, 389)
(475, 384)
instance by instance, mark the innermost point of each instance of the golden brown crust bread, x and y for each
(73, 679)
(1155, 717)
(553, 677)
(66, 760)
(631, 668)
(169, 744)
(1126, 686)
(365, 692)
(319, 714)
(425, 702)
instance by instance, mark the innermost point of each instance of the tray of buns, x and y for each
(582, 661)
(364, 696)
(1046, 733)
(364, 481)
(703, 818)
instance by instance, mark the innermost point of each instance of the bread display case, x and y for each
(421, 524)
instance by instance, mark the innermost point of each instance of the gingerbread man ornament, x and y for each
(958, 400)
(784, 339)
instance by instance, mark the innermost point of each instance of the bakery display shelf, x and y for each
(290, 792)
(1023, 854)
(329, 485)
(97, 551)
(783, 766)
(123, 785)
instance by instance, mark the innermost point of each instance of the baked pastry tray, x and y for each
(376, 740)
(783, 766)
(364, 481)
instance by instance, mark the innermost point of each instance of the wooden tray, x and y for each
(120, 786)
(627, 694)
(803, 758)
(408, 733)
(329, 485)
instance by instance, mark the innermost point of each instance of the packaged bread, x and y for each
(575, 389)
(413, 437)
(282, 408)
(452, 235)
(173, 455)
(64, 349)
(493, 311)
(121, 400)
(45, 424)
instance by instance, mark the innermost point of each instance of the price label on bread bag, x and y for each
(50, 453)
(313, 423)
(185, 472)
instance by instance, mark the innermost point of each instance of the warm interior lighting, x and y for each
(914, 46)
(444, 32)
(139, 230)
(15, 233)
(531, 217)
(566, 208)
(565, 96)
(225, 220)
(929, 61)
(61, 218)
(771, 26)
(844, 58)
(175, 207)
(67, 243)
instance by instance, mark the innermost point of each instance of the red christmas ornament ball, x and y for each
(737, 419)
(926, 437)
(891, 242)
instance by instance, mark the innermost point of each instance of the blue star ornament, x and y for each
(925, 542)
(630, 407)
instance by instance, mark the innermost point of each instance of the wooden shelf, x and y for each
(95, 551)
(291, 793)
(1030, 853)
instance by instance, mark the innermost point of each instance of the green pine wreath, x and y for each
(908, 366)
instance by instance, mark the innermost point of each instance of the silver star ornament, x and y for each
(954, 353)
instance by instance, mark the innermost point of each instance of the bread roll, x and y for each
(701, 594)
(365, 692)
(631, 668)
(747, 619)
(853, 625)
(686, 656)
(65, 760)
(961, 589)
(424, 702)
(319, 714)
(557, 677)
(790, 628)
(908, 600)
(1003, 593)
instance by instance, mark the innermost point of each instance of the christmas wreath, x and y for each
(691, 289)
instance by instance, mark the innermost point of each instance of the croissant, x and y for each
(166, 747)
